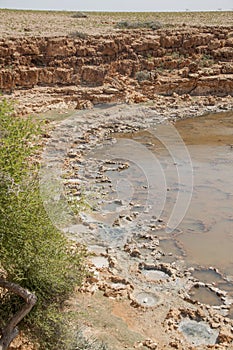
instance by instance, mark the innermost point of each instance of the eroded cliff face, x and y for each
(135, 66)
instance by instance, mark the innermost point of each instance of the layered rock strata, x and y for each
(131, 65)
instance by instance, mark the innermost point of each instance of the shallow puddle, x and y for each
(206, 231)
(209, 141)
(205, 296)
(227, 287)
(208, 276)
(171, 249)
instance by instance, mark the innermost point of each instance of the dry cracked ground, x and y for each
(55, 63)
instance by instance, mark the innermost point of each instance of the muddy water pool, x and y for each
(207, 228)
(204, 237)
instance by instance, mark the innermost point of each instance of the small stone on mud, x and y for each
(146, 299)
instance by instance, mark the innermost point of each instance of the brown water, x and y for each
(207, 236)
(206, 232)
(204, 295)
(208, 276)
(204, 238)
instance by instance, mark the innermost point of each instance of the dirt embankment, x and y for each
(130, 66)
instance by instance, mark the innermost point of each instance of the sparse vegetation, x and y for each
(142, 75)
(154, 25)
(55, 23)
(78, 34)
(176, 55)
(206, 61)
(33, 253)
(83, 343)
(79, 15)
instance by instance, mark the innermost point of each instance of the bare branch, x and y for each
(10, 331)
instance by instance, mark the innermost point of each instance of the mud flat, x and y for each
(143, 292)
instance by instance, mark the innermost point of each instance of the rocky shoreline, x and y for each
(130, 271)
(126, 284)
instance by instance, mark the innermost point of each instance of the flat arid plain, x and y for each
(102, 80)
(60, 23)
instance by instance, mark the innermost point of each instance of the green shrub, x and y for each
(79, 15)
(79, 35)
(154, 25)
(83, 343)
(206, 61)
(33, 253)
(143, 75)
